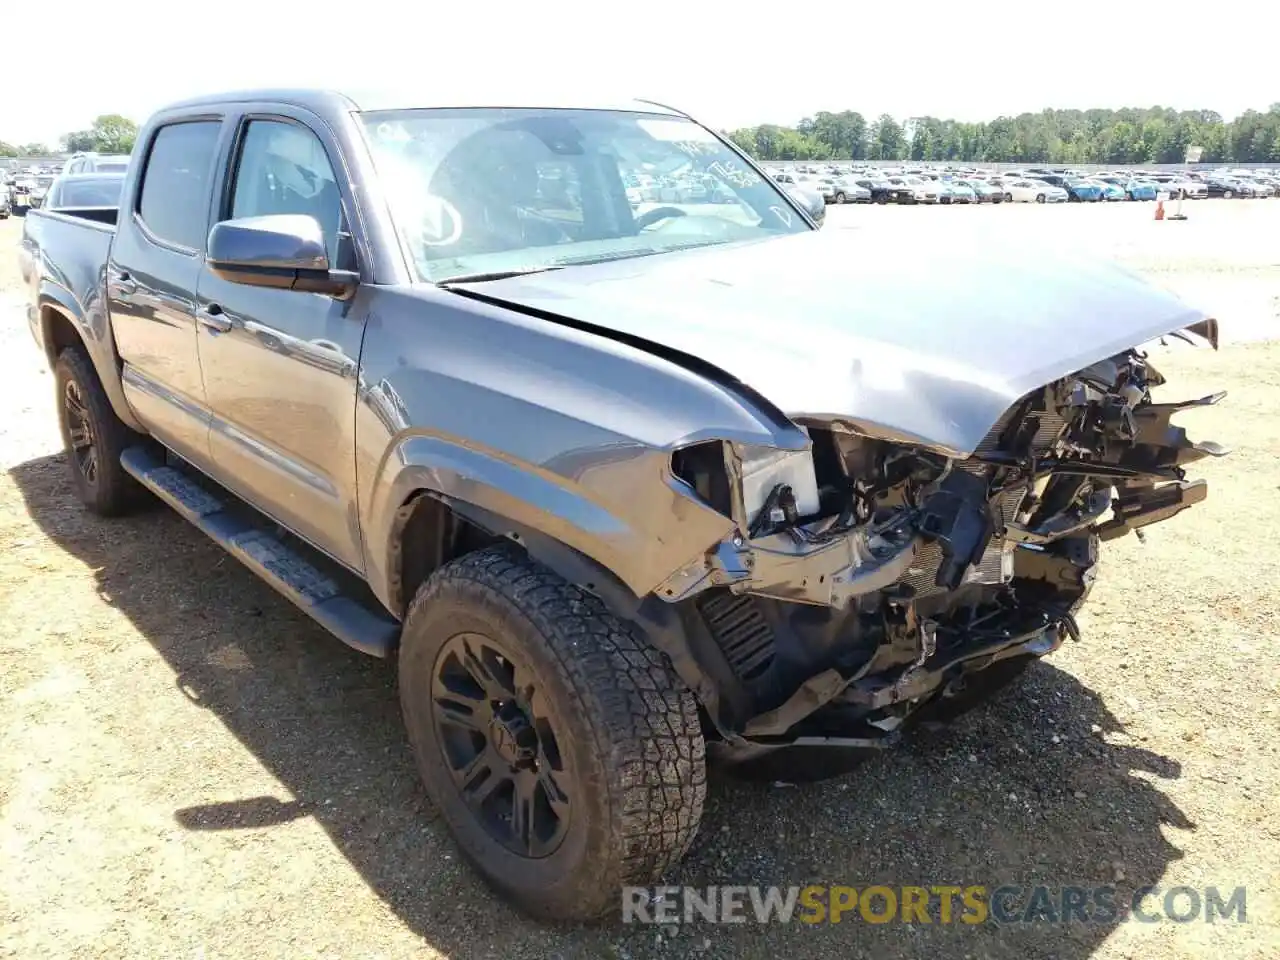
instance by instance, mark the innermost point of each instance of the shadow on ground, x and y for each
(993, 801)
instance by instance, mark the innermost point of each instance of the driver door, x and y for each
(280, 366)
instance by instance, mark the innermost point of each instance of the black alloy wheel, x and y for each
(94, 437)
(80, 439)
(495, 729)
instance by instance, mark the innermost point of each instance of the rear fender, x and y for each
(61, 317)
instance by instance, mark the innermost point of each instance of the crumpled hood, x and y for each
(927, 342)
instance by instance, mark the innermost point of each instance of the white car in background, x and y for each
(845, 190)
(922, 191)
(1034, 191)
(822, 185)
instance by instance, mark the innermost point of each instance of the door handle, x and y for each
(213, 318)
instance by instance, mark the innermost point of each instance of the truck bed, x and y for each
(69, 247)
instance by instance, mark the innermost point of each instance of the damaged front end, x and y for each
(869, 582)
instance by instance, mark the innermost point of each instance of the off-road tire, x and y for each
(630, 726)
(113, 491)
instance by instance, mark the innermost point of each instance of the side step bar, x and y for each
(372, 631)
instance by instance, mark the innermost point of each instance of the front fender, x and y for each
(628, 515)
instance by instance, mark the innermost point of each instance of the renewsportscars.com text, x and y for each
(935, 904)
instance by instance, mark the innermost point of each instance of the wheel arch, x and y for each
(432, 529)
(429, 529)
(64, 325)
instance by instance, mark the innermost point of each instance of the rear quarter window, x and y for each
(174, 202)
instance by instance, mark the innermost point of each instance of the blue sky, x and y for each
(729, 64)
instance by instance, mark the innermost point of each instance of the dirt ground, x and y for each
(191, 768)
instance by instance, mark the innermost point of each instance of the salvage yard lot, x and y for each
(190, 768)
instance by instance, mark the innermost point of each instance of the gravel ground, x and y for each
(192, 769)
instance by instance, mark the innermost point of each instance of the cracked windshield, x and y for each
(475, 192)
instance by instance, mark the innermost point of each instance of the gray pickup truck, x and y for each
(622, 484)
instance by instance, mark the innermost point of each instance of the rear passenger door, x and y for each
(280, 373)
(154, 267)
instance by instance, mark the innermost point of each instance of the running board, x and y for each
(282, 565)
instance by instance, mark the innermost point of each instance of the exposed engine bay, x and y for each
(871, 580)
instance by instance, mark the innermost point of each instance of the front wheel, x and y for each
(840, 198)
(1227, 194)
(1039, 198)
(93, 437)
(558, 744)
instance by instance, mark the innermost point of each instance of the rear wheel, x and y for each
(1039, 198)
(1227, 194)
(559, 746)
(93, 437)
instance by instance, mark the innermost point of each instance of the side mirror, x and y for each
(285, 251)
(813, 203)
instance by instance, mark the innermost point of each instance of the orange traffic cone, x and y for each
(1159, 209)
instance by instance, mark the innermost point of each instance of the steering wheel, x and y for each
(650, 217)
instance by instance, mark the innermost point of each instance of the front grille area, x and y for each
(1051, 427)
(740, 630)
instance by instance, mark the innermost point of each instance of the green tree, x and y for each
(110, 133)
(886, 140)
(114, 133)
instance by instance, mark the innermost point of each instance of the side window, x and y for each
(174, 203)
(283, 169)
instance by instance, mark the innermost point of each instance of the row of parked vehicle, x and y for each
(837, 183)
(83, 180)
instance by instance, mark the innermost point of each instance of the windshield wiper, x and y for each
(636, 254)
(494, 275)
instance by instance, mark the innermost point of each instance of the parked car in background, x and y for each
(20, 190)
(1035, 191)
(922, 191)
(1261, 186)
(1002, 182)
(1135, 188)
(883, 190)
(983, 191)
(96, 163)
(85, 192)
(1078, 190)
(40, 185)
(960, 192)
(1179, 185)
(1110, 191)
(818, 184)
(848, 190)
(1229, 188)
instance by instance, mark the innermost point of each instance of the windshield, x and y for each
(495, 190)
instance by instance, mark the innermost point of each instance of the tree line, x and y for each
(1152, 135)
(1128, 136)
(110, 133)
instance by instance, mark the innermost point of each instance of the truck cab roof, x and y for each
(322, 101)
